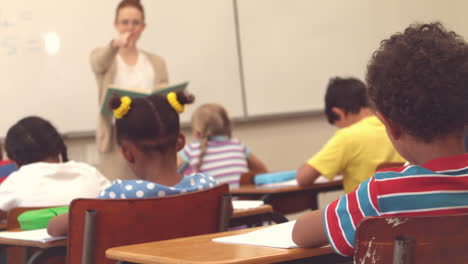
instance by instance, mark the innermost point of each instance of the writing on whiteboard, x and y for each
(14, 38)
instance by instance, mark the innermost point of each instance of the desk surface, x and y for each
(200, 249)
(238, 213)
(263, 209)
(259, 189)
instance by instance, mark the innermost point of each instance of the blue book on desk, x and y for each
(274, 177)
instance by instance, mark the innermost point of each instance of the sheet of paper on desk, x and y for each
(278, 236)
(322, 179)
(293, 182)
(246, 204)
(39, 235)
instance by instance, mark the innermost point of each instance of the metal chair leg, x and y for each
(43, 254)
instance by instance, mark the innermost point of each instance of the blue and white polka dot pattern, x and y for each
(145, 189)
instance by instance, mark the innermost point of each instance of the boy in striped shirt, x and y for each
(418, 82)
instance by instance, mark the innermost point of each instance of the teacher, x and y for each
(123, 65)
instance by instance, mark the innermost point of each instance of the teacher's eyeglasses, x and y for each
(127, 22)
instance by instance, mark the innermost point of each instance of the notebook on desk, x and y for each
(38, 235)
(246, 204)
(277, 236)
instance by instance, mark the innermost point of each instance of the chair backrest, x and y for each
(387, 165)
(98, 224)
(415, 240)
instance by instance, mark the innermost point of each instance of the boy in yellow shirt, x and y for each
(358, 147)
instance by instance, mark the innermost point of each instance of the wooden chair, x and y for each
(18, 255)
(98, 224)
(415, 240)
(386, 165)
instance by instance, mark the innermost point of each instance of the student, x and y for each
(6, 166)
(45, 176)
(360, 144)
(121, 63)
(466, 139)
(417, 80)
(147, 130)
(215, 152)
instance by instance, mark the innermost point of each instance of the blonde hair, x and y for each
(210, 120)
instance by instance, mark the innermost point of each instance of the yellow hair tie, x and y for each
(123, 108)
(172, 99)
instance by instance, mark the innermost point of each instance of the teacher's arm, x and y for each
(102, 58)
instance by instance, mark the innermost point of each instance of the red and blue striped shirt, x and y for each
(438, 187)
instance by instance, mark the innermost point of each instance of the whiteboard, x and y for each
(196, 38)
(291, 48)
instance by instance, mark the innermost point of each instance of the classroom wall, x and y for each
(282, 143)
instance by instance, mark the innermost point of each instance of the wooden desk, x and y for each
(287, 199)
(239, 217)
(237, 214)
(35, 244)
(200, 249)
(263, 209)
(251, 216)
(35, 252)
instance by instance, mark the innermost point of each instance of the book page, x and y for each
(136, 93)
(278, 236)
(39, 235)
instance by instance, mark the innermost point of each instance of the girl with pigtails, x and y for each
(215, 152)
(148, 132)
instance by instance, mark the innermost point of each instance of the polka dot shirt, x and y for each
(145, 189)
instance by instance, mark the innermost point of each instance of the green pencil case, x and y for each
(38, 219)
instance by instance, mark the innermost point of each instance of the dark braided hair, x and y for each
(33, 139)
(150, 118)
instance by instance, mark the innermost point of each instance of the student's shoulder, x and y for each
(235, 141)
(84, 167)
(201, 179)
(130, 189)
(398, 172)
(127, 183)
(155, 58)
(194, 145)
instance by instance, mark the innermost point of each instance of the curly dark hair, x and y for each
(34, 139)
(150, 118)
(419, 80)
(349, 94)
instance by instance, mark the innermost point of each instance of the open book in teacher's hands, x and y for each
(137, 93)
